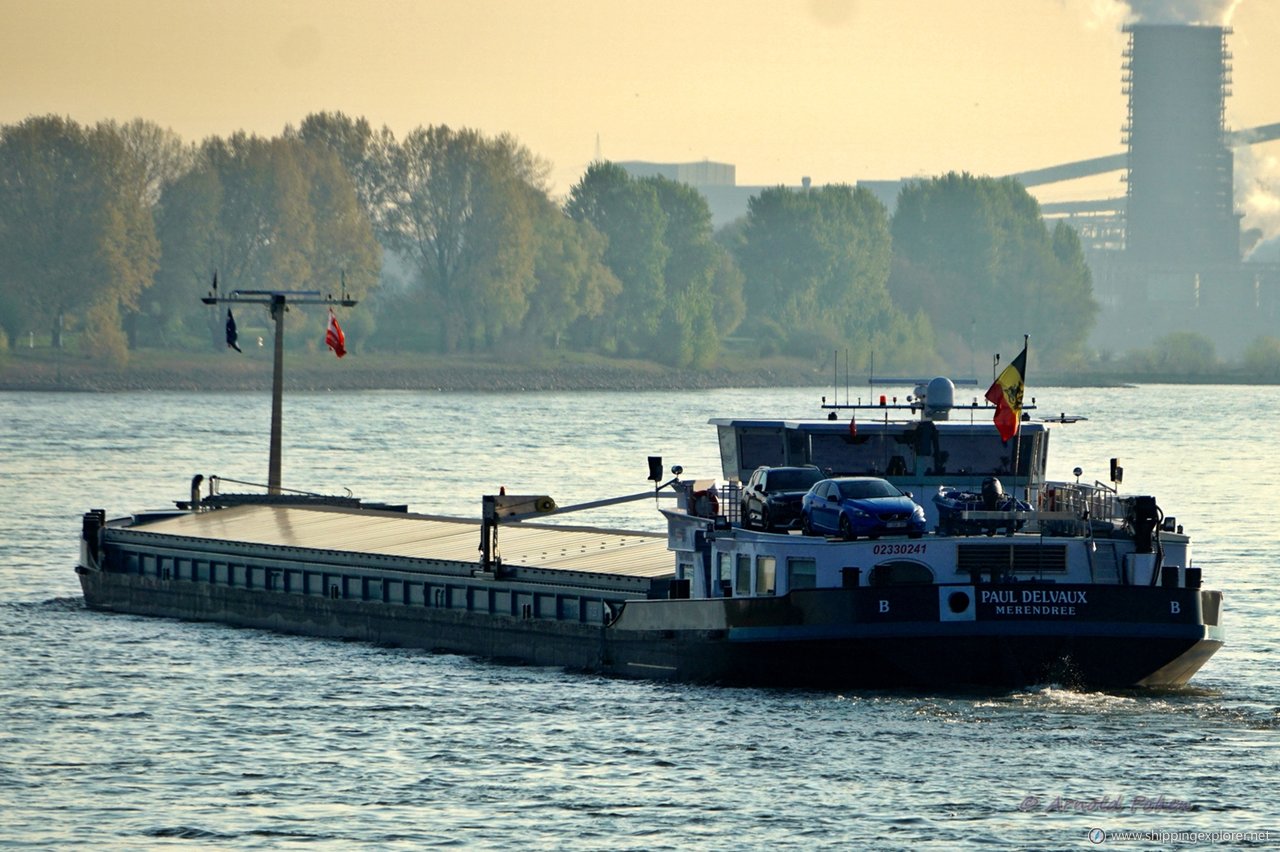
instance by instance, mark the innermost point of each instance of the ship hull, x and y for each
(915, 663)
(866, 638)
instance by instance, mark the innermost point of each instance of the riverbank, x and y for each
(47, 370)
(319, 371)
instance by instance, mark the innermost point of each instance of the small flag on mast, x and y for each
(1005, 394)
(333, 336)
(231, 330)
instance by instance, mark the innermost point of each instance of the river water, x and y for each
(134, 733)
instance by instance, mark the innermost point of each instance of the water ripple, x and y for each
(124, 732)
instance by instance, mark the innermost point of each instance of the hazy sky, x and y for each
(839, 90)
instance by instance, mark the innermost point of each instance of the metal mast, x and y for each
(277, 302)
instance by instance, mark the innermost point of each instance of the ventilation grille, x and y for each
(986, 559)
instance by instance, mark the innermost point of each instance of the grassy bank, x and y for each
(154, 370)
(49, 370)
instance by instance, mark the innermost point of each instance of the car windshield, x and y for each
(861, 489)
(792, 480)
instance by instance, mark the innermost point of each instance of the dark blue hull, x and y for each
(918, 637)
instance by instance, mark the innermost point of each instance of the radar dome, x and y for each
(939, 398)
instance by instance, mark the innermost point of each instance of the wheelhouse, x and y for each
(918, 457)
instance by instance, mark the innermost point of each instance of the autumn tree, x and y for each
(1178, 352)
(572, 282)
(729, 282)
(627, 212)
(1262, 358)
(364, 152)
(160, 154)
(696, 276)
(161, 157)
(188, 225)
(461, 210)
(75, 232)
(816, 262)
(975, 255)
(265, 214)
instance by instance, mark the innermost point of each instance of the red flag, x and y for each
(1005, 394)
(333, 336)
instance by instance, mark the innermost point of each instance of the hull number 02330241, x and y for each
(898, 548)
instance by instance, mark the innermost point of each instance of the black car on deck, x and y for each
(772, 496)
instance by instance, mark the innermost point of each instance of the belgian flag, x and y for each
(1005, 394)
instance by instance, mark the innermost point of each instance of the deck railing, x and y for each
(1095, 502)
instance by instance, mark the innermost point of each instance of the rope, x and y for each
(260, 485)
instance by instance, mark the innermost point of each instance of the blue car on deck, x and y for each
(853, 506)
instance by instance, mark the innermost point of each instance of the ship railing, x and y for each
(1063, 508)
(1096, 502)
(1057, 523)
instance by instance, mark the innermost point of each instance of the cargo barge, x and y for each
(1068, 583)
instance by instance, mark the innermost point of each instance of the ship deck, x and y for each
(545, 546)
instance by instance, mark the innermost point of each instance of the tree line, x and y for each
(453, 242)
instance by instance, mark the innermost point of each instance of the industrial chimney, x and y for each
(1179, 199)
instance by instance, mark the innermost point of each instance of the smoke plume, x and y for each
(1212, 12)
(1257, 194)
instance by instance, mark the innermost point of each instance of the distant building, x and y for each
(727, 200)
(716, 182)
(699, 175)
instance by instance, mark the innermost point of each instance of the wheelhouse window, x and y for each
(861, 455)
(802, 573)
(724, 572)
(945, 451)
(761, 448)
(766, 573)
(742, 582)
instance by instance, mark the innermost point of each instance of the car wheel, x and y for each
(806, 525)
(914, 534)
(846, 529)
(765, 523)
(746, 515)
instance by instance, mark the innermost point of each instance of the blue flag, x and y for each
(231, 331)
